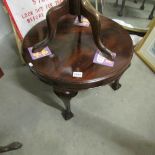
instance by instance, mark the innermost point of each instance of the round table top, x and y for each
(72, 55)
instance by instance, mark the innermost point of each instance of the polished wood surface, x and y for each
(74, 49)
(79, 8)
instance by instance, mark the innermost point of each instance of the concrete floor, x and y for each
(105, 123)
(132, 14)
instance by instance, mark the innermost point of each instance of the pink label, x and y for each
(100, 59)
(84, 22)
(37, 55)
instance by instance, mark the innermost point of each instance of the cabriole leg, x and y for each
(66, 97)
(120, 13)
(151, 14)
(116, 3)
(142, 6)
(67, 113)
(116, 85)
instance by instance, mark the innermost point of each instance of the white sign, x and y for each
(27, 13)
(78, 74)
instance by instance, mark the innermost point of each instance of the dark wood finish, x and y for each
(1, 73)
(142, 7)
(152, 12)
(74, 49)
(74, 7)
(116, 85)
(116, 3)
(66, 97)
(120, 12)
(11, 147)
(139, 33)
(14, 145)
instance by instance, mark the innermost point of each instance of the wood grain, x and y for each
(73, 55)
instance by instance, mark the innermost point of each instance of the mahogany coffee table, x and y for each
(74, 50)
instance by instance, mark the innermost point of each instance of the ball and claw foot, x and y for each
(120, 13)
(115, 5)
(67, 115)
(116, 85)
(142, 7)
(10, 147)
(151, 17)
